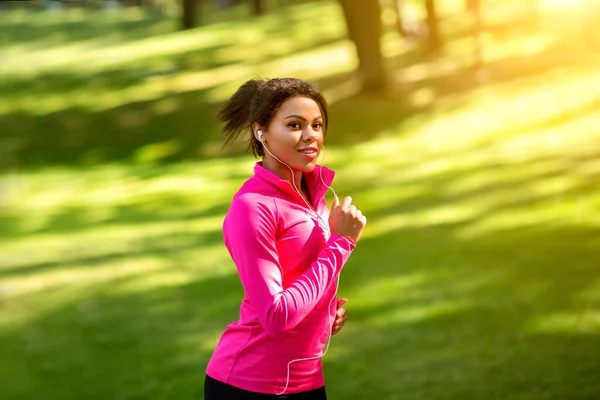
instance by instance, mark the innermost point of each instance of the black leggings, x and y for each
(217, 390)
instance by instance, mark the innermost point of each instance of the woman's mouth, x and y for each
(309, 152)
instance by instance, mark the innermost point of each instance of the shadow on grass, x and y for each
(161, 245)
(502, 313)
(472, 327)
(440, 193)
(497, 316)
(182, 123)
(506, 312)
(120, 345)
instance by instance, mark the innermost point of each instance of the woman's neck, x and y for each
(283, 172)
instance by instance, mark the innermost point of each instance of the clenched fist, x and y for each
(346, 220)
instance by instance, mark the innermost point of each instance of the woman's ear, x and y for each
(258, 132)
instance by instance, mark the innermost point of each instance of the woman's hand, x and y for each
(340, 316)
(346, 220)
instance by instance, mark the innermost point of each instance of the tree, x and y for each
(189, 12)
(363, 21)
(435, 40)
(258, 6)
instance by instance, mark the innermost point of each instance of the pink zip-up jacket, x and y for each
(288, 266)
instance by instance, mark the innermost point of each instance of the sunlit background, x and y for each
(477, 164)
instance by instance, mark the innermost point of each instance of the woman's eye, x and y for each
(317, 126)
(295, 125)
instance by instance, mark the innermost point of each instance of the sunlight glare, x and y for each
(414, 314)
(584, 322)
(556, 5)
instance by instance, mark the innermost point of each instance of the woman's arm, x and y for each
(250, 232)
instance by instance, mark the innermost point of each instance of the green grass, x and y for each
(477, 276)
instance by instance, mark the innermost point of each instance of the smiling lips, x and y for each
(309, 151)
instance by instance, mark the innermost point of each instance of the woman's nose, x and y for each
(309, 134)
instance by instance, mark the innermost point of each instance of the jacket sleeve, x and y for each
(250, 235)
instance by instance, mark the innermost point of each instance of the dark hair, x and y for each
(257, 101)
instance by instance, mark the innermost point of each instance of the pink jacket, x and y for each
(288, 267)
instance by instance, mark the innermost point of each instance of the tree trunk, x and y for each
(189, 11)
(435, 41)
(363, 20)
(258, 7)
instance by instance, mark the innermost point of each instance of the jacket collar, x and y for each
(313, 179)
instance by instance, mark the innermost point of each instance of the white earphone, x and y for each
(260, 138)
(326, 228)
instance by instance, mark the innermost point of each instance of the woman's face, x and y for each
(295, 134)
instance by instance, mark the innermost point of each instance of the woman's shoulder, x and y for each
(251, 208)
(253, 196)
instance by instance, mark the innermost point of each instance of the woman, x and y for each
(287, 246)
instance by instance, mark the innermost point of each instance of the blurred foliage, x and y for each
(83, 87)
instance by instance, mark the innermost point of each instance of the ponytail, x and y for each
(235, 114)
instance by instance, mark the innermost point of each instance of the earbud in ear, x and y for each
(259, 133)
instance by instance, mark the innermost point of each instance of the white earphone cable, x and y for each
(326, 227)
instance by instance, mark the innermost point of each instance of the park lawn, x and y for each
(477, 276)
